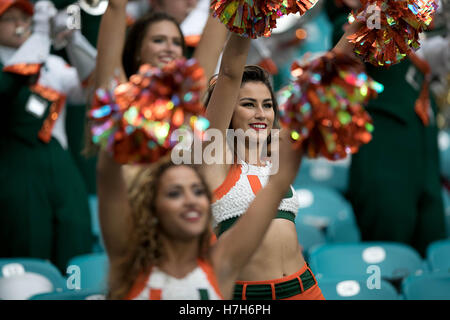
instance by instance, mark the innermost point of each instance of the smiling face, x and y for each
(15, 27)
(162, 44)
(254, 112)
(182, 204)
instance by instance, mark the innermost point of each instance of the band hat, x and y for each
(25, 5)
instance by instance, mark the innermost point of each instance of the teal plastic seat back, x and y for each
(357, 288)
(393, 261)
(428, 286)
(343, 231)
(10, 266)
(93, 271)
(96, 231)
(309, 236)
(329, 211)
(438, 256)
(20, 278)
(71, 295)
(330, 174)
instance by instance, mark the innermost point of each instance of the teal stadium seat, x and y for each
(331, 174)
(96, 231)
(308, 237)
(71, 295)
(21, 278)
(93, 270)
(438, 256)
(446, 199)
(329, 211)
(357, 288)
(395, 261)
(444, 152)
(427, 286)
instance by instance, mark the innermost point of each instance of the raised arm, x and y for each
(344, 45)
(114, 209)
(211, 45)
(223, 100)
(110, 44)
(236, 246)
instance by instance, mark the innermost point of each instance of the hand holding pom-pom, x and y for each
(136, 122)
(323, 107)
(391, 28)
(301, 6)
(256, 18)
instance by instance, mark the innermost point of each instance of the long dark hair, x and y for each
(135, 36)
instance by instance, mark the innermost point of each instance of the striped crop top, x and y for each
(199, 284)
(234, 196)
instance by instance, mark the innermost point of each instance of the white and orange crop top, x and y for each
(234, 196)
(199, 284)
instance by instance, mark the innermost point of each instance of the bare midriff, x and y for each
(278, 256)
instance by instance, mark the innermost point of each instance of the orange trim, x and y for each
(138, 287)
(229, 182)
(213, 239)
(47, 93)
(130, 21)
(192, 41)
(279, 280)
(255, 184)
(422, 105)
(209, 271)
(274, 297)
(24, 69)
(313, 293)
(301, 284)
(58, 101)
(155, 294)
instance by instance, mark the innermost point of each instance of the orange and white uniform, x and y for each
(199, 284)
(231, 200)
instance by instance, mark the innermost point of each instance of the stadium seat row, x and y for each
(378, 270)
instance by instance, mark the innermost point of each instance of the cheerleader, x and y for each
(155, 39)
(157, 234)
(241, 98)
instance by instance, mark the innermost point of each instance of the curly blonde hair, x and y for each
(144, 249)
